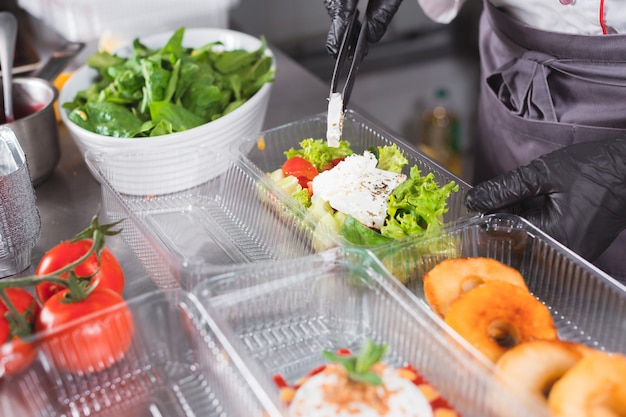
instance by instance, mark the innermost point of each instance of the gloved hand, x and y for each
(576, 194)
(379, 14)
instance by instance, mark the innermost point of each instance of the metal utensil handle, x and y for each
(8, 37)
(58, 61)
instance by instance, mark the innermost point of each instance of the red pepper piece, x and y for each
(280, 381)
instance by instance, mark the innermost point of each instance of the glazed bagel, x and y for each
(594, 387)
(533, 367)
(453, 277)
(496, 315)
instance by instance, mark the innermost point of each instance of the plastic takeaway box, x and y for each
(207, 226)
(280, 316)
(587, 305)
(237, 215)
(176, 366)
(91, 20)
(266, 152)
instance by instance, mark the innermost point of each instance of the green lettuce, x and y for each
(417, 206)
(357, 233)
(302, 196)
(317, 152)
(390, 158)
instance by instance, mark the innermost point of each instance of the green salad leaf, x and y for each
(417, 205)
(358, 366)
(317, 152)
(170, 89)
(390, 158)
(356, 232)
(415, 208)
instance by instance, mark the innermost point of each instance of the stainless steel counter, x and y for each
(71, 196)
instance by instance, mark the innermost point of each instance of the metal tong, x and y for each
(338, 101)
(347, 51)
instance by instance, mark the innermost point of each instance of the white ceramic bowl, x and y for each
(218, 134)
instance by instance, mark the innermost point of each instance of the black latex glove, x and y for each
(379, 14)
(576, 194)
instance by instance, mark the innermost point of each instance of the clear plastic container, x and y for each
(176, 366)
(238, 215)
(204, 229)
(587, 305)
(266, 152)
(280, 316)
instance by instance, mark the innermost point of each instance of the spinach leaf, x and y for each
(156, 82)
(169, 89)
(108, 119)
(180, 118)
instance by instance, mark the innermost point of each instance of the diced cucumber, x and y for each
(318, 209)
(290, 184)
(276, 175)
(326, 228)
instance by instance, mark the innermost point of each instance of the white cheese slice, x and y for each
(334, 120)
(356, 187)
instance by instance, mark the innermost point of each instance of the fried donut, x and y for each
(594, 387)
(495, 316)
(533, 367)
(453, 277)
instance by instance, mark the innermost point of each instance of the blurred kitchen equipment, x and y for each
(35, 125)
(27, 52)
(20, 224)
(58, 61)
(439, 133)
(88, 21)
(8, 36)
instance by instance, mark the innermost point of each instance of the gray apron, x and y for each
(543, 90)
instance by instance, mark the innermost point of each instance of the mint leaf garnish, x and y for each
(359, 366)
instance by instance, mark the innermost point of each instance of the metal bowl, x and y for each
(35, 125)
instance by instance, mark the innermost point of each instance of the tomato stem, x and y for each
(19, 324)
(97, 232)
(77, 290)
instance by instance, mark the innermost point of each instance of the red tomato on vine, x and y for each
(87, 335)
(108, 271)
(16, 354)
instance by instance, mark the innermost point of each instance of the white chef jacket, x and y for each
(585, 17)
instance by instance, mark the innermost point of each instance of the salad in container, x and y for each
(362, 198)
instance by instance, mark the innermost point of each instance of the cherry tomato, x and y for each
(301, 169)
(22, 300)
(5, 330)
(85, 341)
(109, 271)
(16, 354)
(332, 164)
